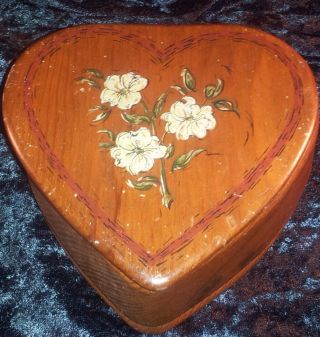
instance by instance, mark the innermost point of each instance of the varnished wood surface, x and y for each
(228, 204)
(157, 311)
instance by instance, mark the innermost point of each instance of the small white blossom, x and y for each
(187, 119)
(136, 150)
(123, 91)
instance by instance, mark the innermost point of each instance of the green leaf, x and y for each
(209, 90)
(188, 79)
(99, 107)
(94, 72)
(150, 179)
(111, 135)
(143, 183)
(170, 151)
(158, 106)
(183, 160)
(89, 81)
(180, 89)
(102, 116)
(224, 105)
(106, 145)
(136, 119)
(218, 87)
(213, 90)
(145, 108)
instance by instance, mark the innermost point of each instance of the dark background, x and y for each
(41, 293)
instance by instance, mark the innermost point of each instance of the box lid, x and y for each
(160, 144)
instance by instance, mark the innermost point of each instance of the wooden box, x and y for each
(166, 159)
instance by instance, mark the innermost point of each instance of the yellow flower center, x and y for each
(123, 92)
(138, 150)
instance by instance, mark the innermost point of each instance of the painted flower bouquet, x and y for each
(137, 150)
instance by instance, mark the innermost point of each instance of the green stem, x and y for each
(145, 107)
(163, 136)
(205, 101)
(166, 196)
(153, 128)
(147, 113)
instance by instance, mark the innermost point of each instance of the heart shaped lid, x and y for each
(160, 144)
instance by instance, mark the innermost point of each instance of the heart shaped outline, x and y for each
(164, 57)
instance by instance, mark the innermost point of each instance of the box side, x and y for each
(157, 311)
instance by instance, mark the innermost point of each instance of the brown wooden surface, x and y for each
(229, 203)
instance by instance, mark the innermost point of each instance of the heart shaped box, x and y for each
(166, 159)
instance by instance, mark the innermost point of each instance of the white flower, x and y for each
(136, 150)
(123, 91)
(189, 119)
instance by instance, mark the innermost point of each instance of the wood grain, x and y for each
(228, 204)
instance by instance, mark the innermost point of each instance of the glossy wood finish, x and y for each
(156, 265)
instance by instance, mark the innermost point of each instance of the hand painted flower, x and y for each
(123, 91)
(187, 119)
(136, 150)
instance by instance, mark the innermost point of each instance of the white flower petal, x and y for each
(172, 127)
(159, 152)
(124, 141)
(126, 79)
(155, 150)
(201, 124)
(184, 131)
(213, 123)
(154, 142)
(136, 150)
(195, 111)
(128, 159)
(123, 91)
(174, 118)
(115, 152)
(109, 96)
(113, 83)
(198, 131)
(166, 116)
(126, 101)
(140, 163)
(210, 123)
(133, 82)
(122, 157)
(142, 138)
(189, 100)
(178, 109)
(206, 110)
(186, 118)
